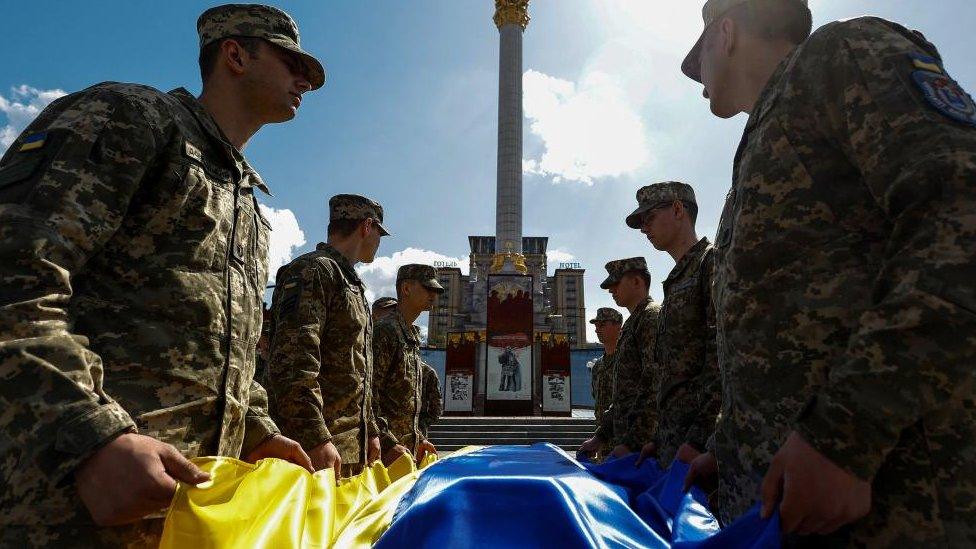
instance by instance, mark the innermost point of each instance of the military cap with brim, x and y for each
(617, 269)
(258, 21)
(425, 274)
(384, 303)
(356, 208)
(711, 12)
(658, 195)
(606, 314)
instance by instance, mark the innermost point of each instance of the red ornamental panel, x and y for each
(508, 370)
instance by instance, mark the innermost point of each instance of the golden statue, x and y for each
(511, 11)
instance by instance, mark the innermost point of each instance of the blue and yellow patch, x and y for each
(32, 142)
(943, 93)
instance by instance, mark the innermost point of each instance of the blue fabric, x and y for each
(538, 496)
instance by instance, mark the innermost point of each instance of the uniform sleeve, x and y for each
(433, 405)
(300, 309)
(60, 203)
(258, 425)
(709, 382)
(912, 352)
(640, 406)
(385, 349)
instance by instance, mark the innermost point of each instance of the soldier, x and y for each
(688, 390)
(132, 261)
(320, 372)
(630, 420)
(383, 307)
(396, 354)
(432, 400)
(844, 278)
(608, 323)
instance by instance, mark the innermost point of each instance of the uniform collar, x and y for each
(688, 259)
(347, 269)
(410, 332)
(248, 176)
(641, 306)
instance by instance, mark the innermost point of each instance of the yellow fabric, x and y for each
(277, 504)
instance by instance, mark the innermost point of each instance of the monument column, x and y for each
(511, 18)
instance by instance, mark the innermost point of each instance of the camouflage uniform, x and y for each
(432, 400)
(132, 261)
(844, 282)
(601, 375)
(631, 418)
(688, 389)
(320, 370)
(399, 369)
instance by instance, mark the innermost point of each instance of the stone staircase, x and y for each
(452, 433)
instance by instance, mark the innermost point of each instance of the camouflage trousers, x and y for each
(143, 534)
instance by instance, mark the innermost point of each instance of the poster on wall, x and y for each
(556, 386)
(508, 367)
(459, 365)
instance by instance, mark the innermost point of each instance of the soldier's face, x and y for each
(371, 242)
(716, 68)
(607, 330)
(417, 296)
(275, 83)
(661, 226)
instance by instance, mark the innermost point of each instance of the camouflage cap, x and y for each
(657, 195)
(383, 303)
(258, 21)
(606, 314)
(711, 12)
(425, 274)
(357, 208)
(617, 269)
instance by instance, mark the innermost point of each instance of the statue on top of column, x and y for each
(511, 11)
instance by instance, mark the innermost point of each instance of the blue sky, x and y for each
(409, 111)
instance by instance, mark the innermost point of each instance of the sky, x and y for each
(408, 114)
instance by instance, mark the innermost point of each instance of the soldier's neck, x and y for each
(610, 345)
(681, 247)
(348, 247)
(631, 308)
(409, 314)
(763, 63)
(231, 116)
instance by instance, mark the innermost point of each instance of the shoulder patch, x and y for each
(33, 141)
(943, 93)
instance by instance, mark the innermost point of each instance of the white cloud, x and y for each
(380, 275)
(24, 104)
(286, 235)
(558, 256)
(589, 129)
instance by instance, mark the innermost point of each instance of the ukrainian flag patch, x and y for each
(34, 141)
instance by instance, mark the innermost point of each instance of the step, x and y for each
(482, 420)
(512, 428)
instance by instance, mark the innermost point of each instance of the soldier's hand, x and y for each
(648, 451)
(394, 454)
(326, 455)
(589, 447)
(277, 446)
(373, 450)
(703, 472)
(818, 497)
(424, 448)
(621, 450)
(131, 477)
(687, 453)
